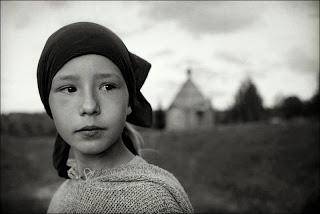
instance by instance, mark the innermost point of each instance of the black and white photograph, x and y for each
(160, 107)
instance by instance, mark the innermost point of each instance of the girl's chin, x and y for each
(91, 147)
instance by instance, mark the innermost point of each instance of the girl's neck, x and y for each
(116, 155)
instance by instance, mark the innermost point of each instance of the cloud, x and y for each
(310, 8)
(23, 15)
(133, 31)
(299, 61)
(231, 58)
(162, 53)
(14, 12)
(215, 93)
(205, 17)
(249, 72)
(186, 62)
(57, 4)
(208, 73)
(313, 9)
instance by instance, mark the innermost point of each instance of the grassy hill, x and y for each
(265, 168)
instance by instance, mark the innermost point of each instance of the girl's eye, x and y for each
(108, 87)
(68, 90)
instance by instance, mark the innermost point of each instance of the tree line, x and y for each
(247, 107)
(27, 124)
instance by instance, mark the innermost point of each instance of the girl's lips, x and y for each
(90, 128)
(90, 131)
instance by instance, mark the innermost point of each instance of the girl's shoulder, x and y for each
(150, 181)
(139, 170)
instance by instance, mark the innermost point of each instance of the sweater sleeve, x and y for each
(159, 200)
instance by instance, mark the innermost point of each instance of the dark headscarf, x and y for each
(83, 38)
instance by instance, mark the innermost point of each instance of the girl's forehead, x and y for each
(88, 65)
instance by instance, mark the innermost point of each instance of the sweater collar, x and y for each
(75, 173)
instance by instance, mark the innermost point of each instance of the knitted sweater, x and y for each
(135, 187)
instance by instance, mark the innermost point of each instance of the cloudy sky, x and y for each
(276, 44)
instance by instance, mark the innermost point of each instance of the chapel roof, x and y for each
(190, 97)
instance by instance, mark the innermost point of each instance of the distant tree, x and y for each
(312, 106)
(248, 103)
(24, 124)
(222, 116)
(159, 121)
(291, 107)
(4, 124)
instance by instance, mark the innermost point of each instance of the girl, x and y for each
(90, 84)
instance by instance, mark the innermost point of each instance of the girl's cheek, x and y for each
(63, 100)
(59, 104)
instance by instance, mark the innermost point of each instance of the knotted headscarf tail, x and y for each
(83, 38)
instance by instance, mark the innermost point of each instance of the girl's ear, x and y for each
(129, 110)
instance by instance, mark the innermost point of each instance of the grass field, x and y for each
(257, 168)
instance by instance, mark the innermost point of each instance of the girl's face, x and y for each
(89, 103)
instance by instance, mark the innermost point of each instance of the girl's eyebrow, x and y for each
(68, 77)
(106, 75)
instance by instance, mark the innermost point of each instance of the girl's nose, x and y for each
(90, 105)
